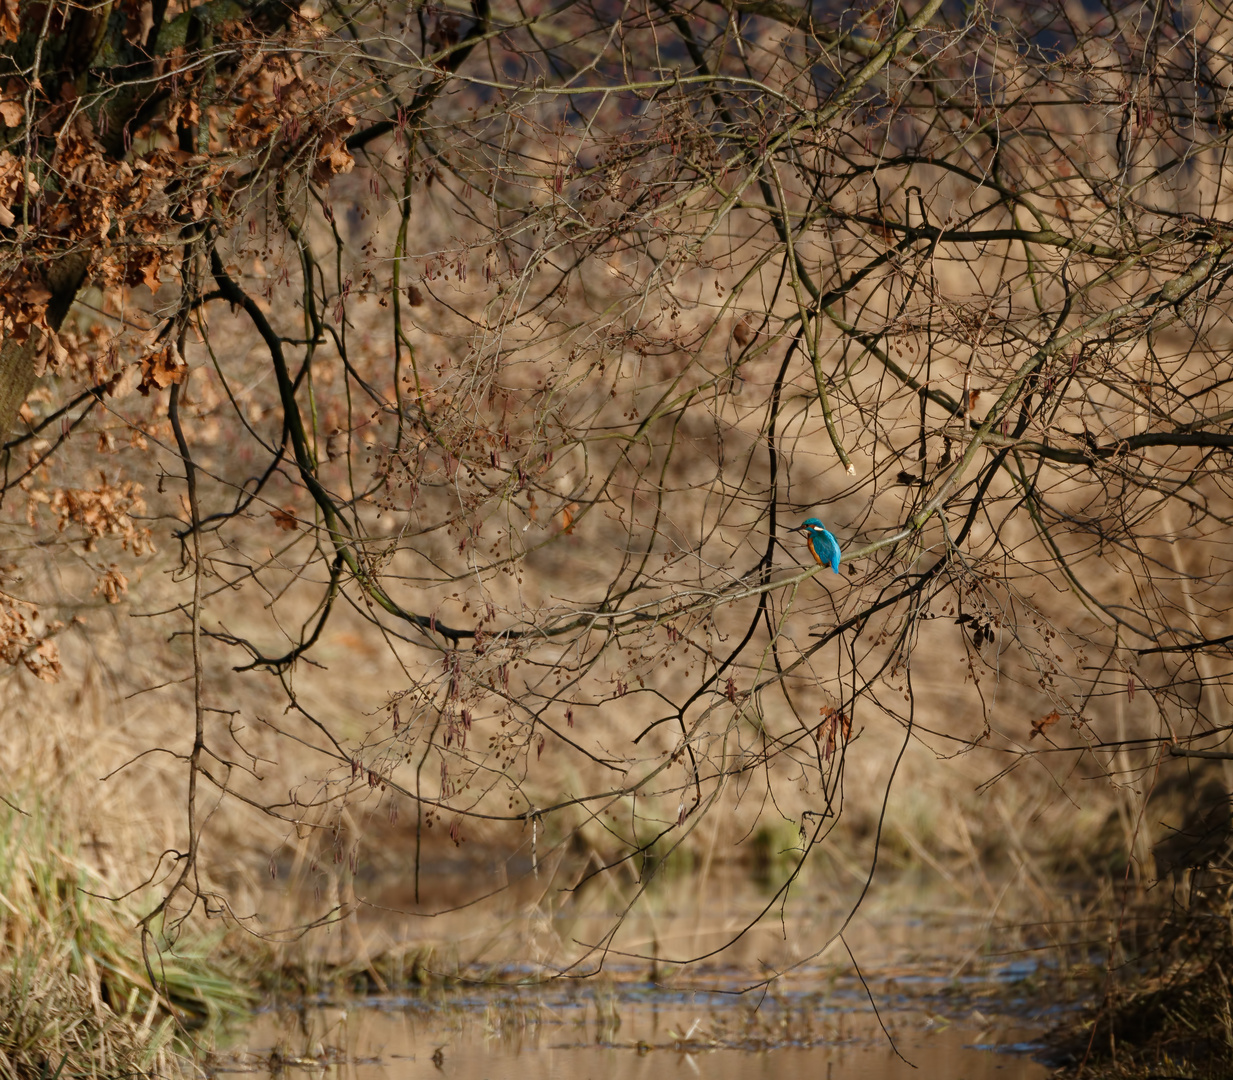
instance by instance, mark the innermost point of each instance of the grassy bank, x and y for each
(75, 991)
(1166, 1009)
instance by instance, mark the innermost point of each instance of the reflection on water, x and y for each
(623, 1031)
(957, 989)
(627, 1038)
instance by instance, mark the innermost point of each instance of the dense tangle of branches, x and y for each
(527, 334)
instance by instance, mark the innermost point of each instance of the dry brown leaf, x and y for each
(149, 275)
(333, 157)
(44, 661)
(112, 584)
(285, 518)
(159, 370)
(835, 725)
(107, 510)
(10, 20)
(1040, 726)
(143, 266)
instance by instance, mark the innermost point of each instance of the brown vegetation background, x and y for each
(406, 510)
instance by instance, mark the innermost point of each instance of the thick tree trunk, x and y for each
(17, 359)
(16, 381)
(98, 46)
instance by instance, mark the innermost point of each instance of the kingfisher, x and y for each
(822, 545)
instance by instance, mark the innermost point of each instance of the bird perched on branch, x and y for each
(822, 545)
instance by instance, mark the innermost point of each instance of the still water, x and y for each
(960, 994)
(631, 1031)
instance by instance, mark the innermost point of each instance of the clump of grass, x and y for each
(75, 995)
(53, 1022)
(402, 967)
(1182, 1028)
(1168, 1010)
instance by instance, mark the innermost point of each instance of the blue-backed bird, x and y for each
(822, 545)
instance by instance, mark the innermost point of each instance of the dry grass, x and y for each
(53, 1024)
(940, 827)
(75, 994)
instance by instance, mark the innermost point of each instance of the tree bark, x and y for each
(18, 358)
(93, 46)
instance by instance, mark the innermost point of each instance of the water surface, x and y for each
(630, 1030)
(691, 984)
